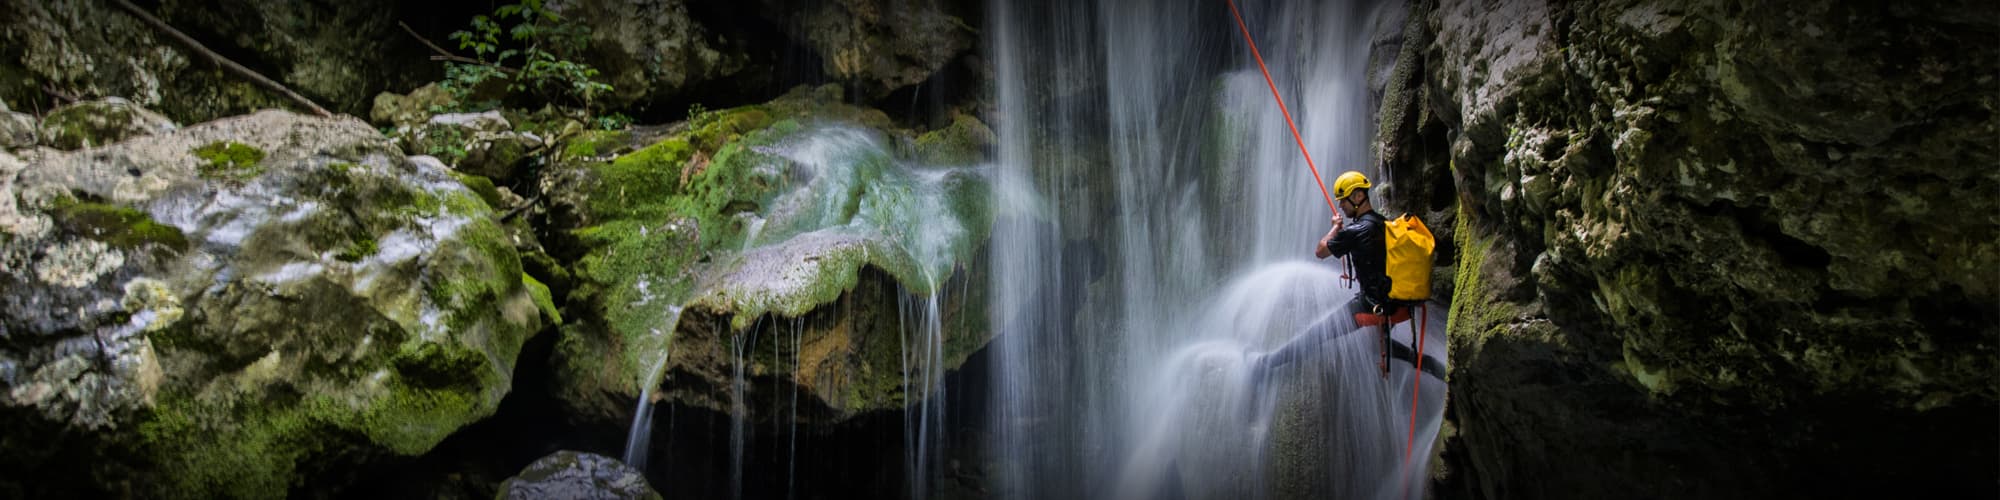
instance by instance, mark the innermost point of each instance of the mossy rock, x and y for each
(121, 227)
(966, 141)
(100, 122)
(730, 217)
(277, 296)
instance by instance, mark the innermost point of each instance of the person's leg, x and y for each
(1334, 324)
(1325, 329)
(1387, 323)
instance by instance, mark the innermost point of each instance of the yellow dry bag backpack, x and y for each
(1409, 266)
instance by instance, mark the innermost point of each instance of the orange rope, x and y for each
(1417, 377)
(1281, 105)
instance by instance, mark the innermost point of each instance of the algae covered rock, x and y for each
(100, 122)
(965, 141)
(577, 476)
(792, 227)
(245, 302)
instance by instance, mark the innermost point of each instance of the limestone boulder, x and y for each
(241, 303)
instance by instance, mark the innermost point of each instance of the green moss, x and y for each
(229, 161)
(121, 227)
(1476, 312)
(240, 449)
(482, 186)
(1465, 282)
(359, 249)
(422, 204)
(963, 142)
(476, 275)
(411, 421)
(634, 185)
(596, 143)
(543, 300)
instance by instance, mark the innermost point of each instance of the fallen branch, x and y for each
(446, 55)
(50, 89)
(244, 72)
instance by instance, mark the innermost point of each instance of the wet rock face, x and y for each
(1729, 219)
(241, 300)
(578, 476)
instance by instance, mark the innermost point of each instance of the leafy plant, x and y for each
(541, 41)
(614, 121)
(699, 116)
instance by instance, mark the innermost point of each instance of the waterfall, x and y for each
(792, 454)
(739, 413)
(639, 440)
(923, 383)
(1154, 227)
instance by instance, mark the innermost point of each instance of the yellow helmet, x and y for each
(1348, 182)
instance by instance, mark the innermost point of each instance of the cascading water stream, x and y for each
(923, 381)
(739, 413)
(792, 451)
(843, 184)
(1153, 222)
(639, 441)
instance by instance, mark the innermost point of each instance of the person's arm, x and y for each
(1346, 238)
(1321, 251)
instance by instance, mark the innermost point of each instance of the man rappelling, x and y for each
(1358, 233)
(1392, 257)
